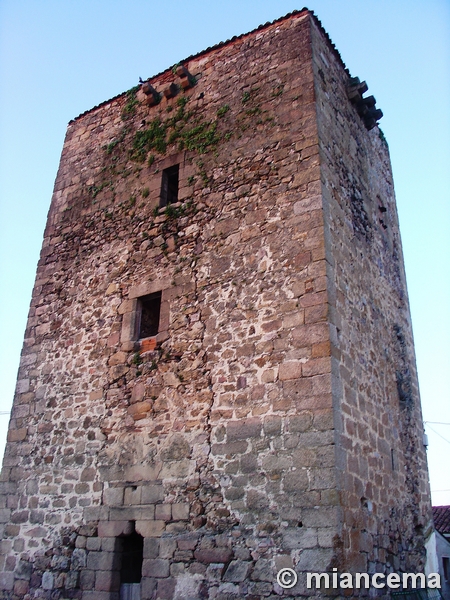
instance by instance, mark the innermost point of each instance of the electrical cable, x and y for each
(441, 436)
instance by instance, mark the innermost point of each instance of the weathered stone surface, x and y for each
(213, 555)
(237, 571)
(114, 528)
(155, 568)
(6, 581)
(269, 420)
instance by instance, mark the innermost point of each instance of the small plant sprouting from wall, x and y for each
(96, 189)
(252, 109)
(129, 110)
(278, 90)
(152, 138)
(109, 148)
(223, 110)
(137, 359)
(203, 173)
(201, 136)
(251, 112)
(173, 212)
(186, 128)
(382, 137)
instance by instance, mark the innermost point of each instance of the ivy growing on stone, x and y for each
(129, 110)
(152, 138)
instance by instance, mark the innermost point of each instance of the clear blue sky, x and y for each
(60, 58)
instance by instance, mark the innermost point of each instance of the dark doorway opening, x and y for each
(132, 557)
(131, 570)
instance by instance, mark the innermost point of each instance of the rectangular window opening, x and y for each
(150, 308)
(169, 186)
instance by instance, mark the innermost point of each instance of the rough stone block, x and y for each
(112, 544)
(322, 479)
(87, 579)
(119, 358)
(102, 561)
(163, 512)
(151, 548)
(17, 435)
(213, 555)
(78, 558)
(94, 543)
(316, 366)
(72, 578)
(315, 559)
(319, 517)
(167, 547)
(214, 572)
(6, 581)
(107, 581)
(95, 513)
(151, 494)
(263, 570)
(113, 496)
(166, 588)
(114, 528)
(22, 386)
(148, 586)
(272, 425)
(230, 449)
(155, 567)
(296, 481)
(48, 580)
(237, 571)
(244, 429)
(23, 570)
(150, 528)
(21, 588)
(297, 538)
(133, 495)
(290, 370)
(180, 511)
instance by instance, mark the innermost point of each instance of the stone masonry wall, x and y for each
(379, 433)
(254, 431)
(215, 441)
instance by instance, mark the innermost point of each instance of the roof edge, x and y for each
(226, 43)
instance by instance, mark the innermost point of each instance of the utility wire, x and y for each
(441, 436)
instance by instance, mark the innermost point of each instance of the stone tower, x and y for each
(218, 376)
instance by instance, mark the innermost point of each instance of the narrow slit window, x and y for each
(150, 309)
(169, 186)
